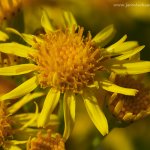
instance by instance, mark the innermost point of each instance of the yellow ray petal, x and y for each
(131, 68)
(45, 22)
(28, 38)
(23, 118)
(28, 123)
(22, 89)
(29, 97)
(95, 112)
(49, 105)
(130, 53)
(16, 49)
(107, 85)
(17, 69)
(70, 20)
(111, 47)
(69, 113)
(3, 36)
(123, 47)
(104, 36)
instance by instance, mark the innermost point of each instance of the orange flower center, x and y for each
(67, 61)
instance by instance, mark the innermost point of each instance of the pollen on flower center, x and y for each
(66, 60)
(46, 142)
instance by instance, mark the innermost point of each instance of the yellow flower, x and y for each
(67, 63)
(8, 128)
(5, 127)
(17, 128)
(130, 108)
(48, 141)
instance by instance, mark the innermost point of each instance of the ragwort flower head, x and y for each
(130, 108)
(8, 128)
(71, 63)
(11, 125)
(5, 124)
(16, 128)
(67, 62)
(48, 141)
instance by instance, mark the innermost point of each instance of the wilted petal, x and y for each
(69, 113)
(49, 105)
(95, 112)
(22, 89)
